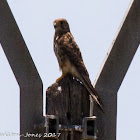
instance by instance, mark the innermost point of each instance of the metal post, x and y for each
(117, 62)
(31, 99)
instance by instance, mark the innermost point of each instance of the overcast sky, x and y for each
(94, 24)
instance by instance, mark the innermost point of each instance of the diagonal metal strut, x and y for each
(31, 89)
(117, 62)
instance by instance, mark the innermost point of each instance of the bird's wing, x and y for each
(69, 47)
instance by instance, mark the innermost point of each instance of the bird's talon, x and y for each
(58, 79)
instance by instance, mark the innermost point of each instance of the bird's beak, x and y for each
(54, 25)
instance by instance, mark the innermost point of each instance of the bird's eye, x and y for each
(54, 25)
(61, 22)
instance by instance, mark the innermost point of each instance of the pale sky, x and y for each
(94, 25)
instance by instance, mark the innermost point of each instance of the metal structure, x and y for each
(107, 83)
(31, 98)
(117, 62)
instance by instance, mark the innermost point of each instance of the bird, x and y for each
(70, 59)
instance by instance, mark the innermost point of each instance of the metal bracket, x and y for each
(70, 128)
(52, 124)
(89, 128)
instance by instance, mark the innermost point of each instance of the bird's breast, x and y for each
(58, 53)
(64, 62)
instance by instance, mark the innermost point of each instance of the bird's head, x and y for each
(61, 25)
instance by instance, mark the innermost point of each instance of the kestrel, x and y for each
(69, 57)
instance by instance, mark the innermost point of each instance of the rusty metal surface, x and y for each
(117, 62)
(31, 99)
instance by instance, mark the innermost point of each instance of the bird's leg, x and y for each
(62, 76)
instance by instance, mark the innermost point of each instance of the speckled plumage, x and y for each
(70, 58)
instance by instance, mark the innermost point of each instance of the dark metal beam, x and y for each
(117, 62)
(31, 98)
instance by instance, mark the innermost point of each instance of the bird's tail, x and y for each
(93, 93)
